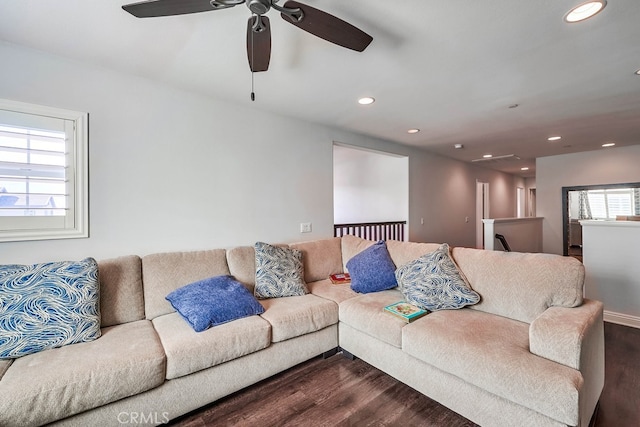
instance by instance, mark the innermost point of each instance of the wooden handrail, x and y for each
(390, 230)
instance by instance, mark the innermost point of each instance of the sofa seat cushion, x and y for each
(189, 351)
(334, 292)
(365, 314)
(492, 352)
(39, 388)
(292, 317)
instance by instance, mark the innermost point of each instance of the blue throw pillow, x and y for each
(214, 301)
(48, 305)
(433, 282)
(372, 270)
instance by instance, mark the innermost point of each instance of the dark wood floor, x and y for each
(340, 392)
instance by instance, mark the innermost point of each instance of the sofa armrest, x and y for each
(568, 335)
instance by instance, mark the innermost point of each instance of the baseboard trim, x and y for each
(622, 319)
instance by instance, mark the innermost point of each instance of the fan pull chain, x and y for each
(253, 94)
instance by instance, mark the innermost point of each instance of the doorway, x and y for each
(369, 186)
(482, 211)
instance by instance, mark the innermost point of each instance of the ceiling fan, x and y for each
(314, 21)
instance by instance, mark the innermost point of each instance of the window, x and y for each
(43, 172)
(608, 203)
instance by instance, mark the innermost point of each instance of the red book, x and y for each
(339, 278)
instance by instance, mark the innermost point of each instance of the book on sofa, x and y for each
(405, 311)
(339, 278)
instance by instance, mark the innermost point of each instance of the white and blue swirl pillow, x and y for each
(49, 305)
(433, 282)
(279, 272)
(214, 301)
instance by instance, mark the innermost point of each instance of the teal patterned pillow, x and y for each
(279, 272)
(50, 305)
(433, 282)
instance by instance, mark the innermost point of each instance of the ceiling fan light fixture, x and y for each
(367, 100)
(584, 11)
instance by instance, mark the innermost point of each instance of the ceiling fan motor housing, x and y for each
(259, 7)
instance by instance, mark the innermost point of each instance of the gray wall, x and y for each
(606, 166)
(172, 170)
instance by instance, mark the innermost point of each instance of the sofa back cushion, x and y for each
(242, 265)
(404, 252)
(165, 272)
(352, 245)
(320, 258)
(521, 286)
(400, 252)
(121, 299)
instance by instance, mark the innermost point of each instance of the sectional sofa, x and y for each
(530, 353)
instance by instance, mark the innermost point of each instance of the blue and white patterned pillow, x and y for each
(279, 272)
(214, 301)
(433, 282)
(49, 305)
(372, 270)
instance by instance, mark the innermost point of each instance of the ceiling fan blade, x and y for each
(328, 27)
(155, 8)
(258, 43)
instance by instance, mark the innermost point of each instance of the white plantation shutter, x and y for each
(43, 172)
(608, 203)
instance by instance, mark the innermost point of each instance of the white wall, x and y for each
(606, 166)
(369, 186)
(171, 170)
(612, 275)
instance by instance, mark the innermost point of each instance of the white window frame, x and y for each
(76, 221)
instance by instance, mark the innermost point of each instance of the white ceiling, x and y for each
(450, 68)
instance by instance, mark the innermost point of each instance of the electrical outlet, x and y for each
(466, 219)
(305, 227)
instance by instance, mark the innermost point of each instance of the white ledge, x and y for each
(501, 220)
(603, 223)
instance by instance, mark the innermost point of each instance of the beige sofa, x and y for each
(530, 353)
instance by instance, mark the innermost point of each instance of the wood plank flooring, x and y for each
(340, 392)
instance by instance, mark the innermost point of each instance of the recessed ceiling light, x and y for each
(638, 72)
(524, 169)
(554, 138)
(413, 131)
(366, 100)
(487, 156)
(458, 146)
(584, 11)
(609, 144)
